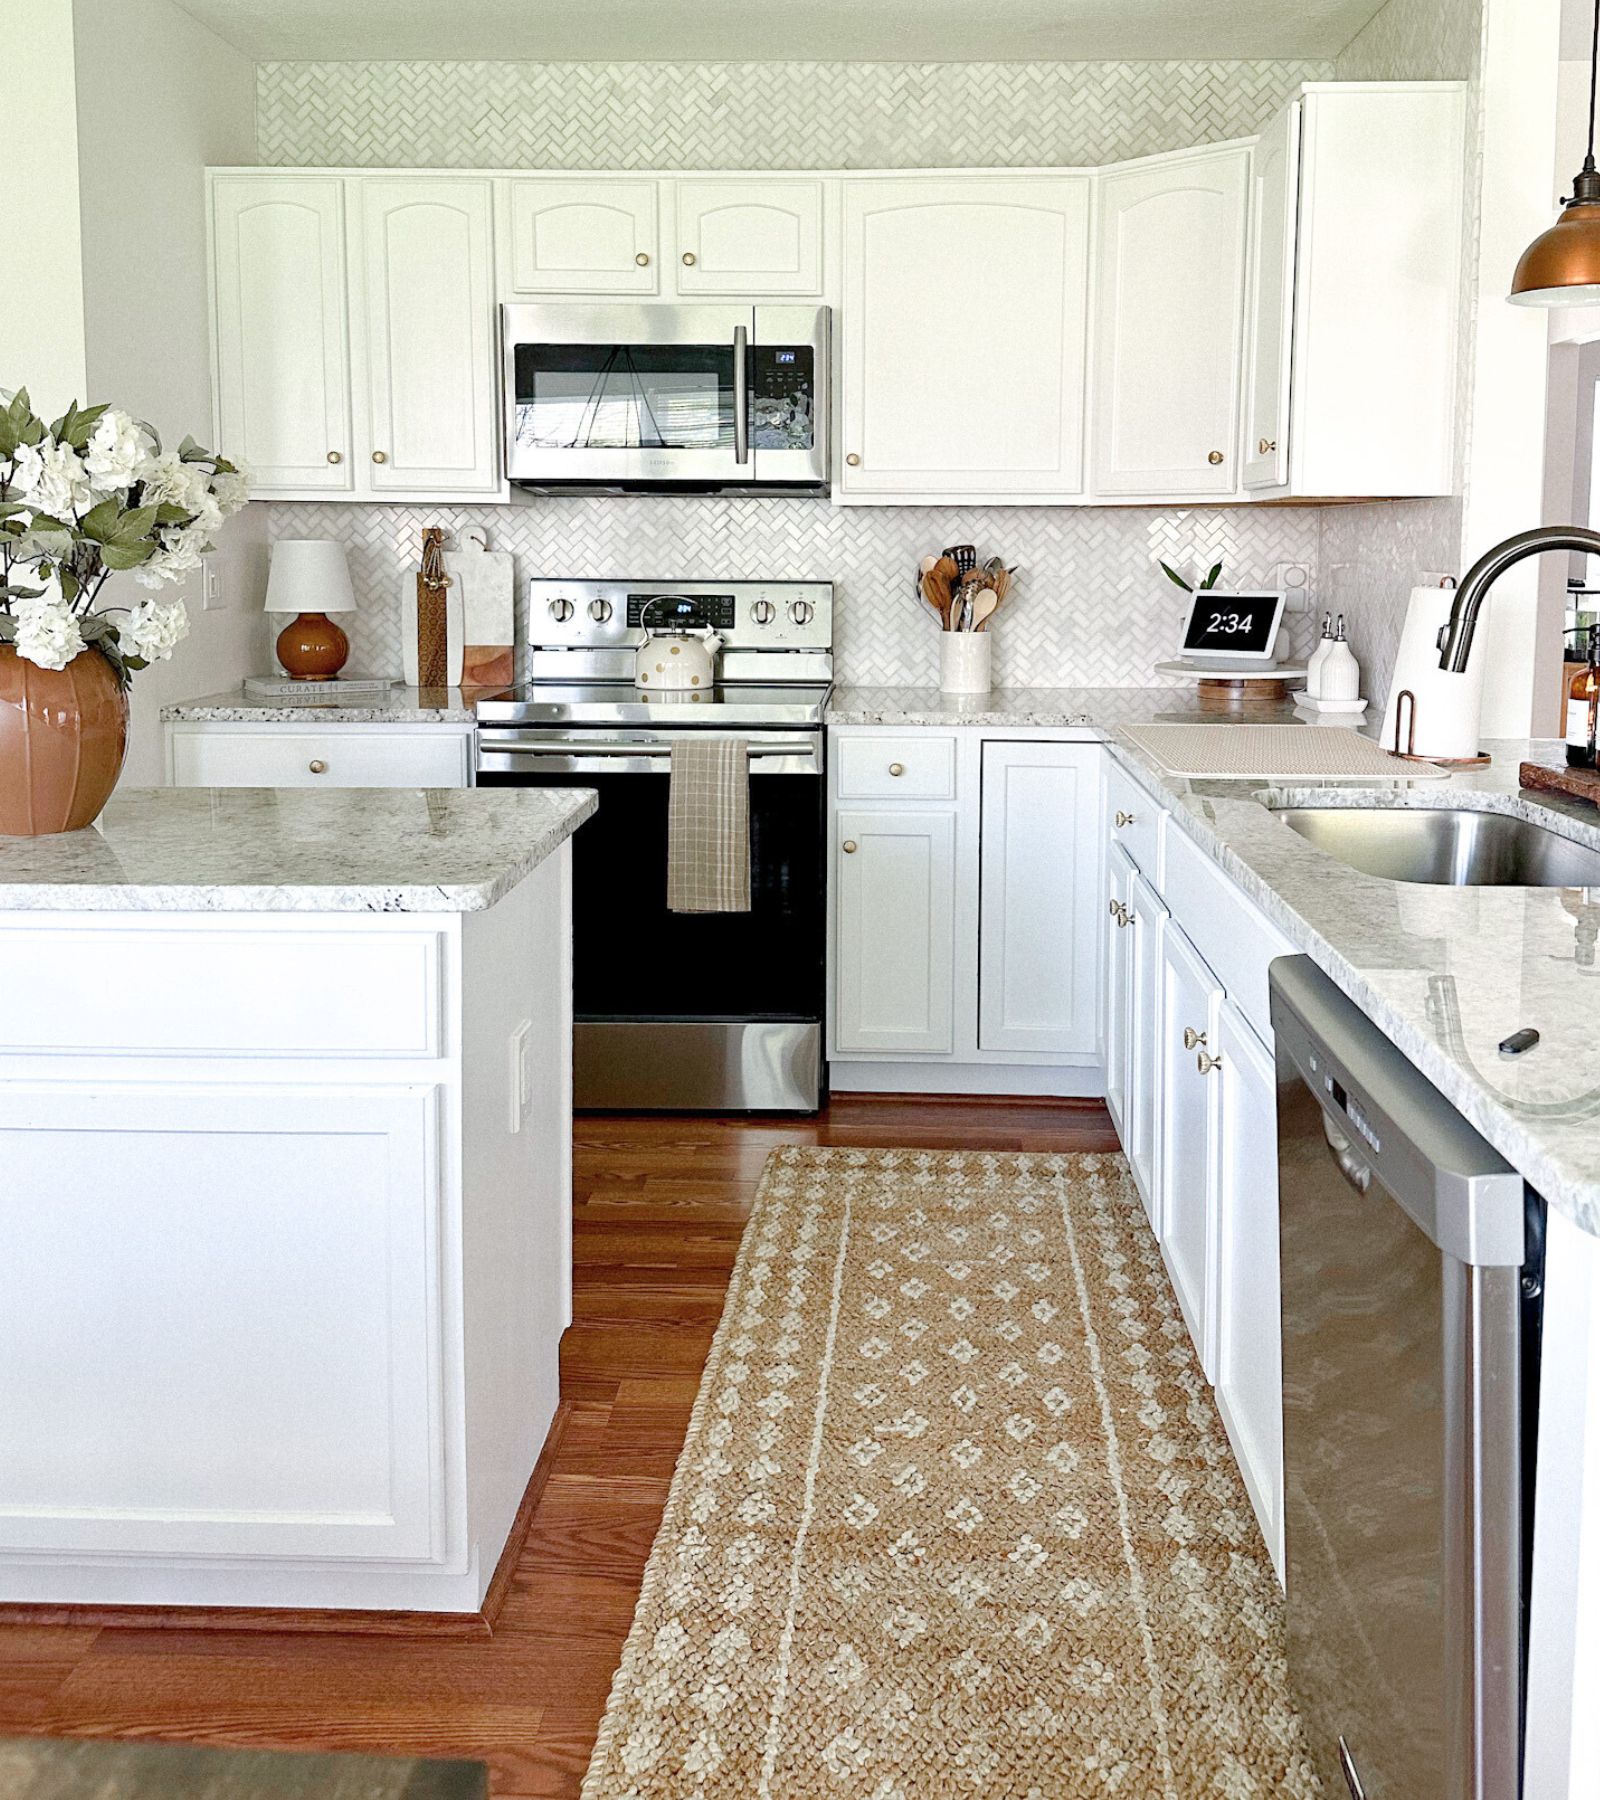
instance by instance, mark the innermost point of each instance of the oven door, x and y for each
(639, 397)
(732, 1009)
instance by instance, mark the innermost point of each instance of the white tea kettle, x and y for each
(676, 658)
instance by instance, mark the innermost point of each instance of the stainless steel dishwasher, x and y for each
(1411, 1277)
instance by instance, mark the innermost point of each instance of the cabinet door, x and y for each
(430, 340)
(963, 336)
(260, 1373)
(1274, 205)
(1142, 1137)
(749, 237)
(1038, 950)
(1249, 1334)
(1117, 994)
(582, 236)
(894, 961)
(1189, 1105)
(282, 346)
(1170, 313)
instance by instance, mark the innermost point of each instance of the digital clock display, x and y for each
(1242, 624)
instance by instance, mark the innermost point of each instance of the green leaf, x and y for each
(18, 425)
(168, 514)
(76, 423)
(189, 451)
(1172, 575)
(110, 525)
(1211, 579)
(127, 556)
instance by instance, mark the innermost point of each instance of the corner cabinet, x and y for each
(354, 348)
(964, 302)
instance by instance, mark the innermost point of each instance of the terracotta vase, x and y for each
(63, 735)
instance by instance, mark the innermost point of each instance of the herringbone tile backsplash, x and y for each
(757, 115)
(1089, 607)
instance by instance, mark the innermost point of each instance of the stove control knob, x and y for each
(800, 611)
(763, 612)
(561, 611)
(599, 611)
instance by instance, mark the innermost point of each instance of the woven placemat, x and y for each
(1273, 753)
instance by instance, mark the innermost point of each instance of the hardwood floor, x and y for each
(659, 1205)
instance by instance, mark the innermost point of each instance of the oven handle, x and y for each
(741, 395)
(637, 759)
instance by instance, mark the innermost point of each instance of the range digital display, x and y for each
(1235, 624)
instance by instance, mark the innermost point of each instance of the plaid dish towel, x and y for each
(708, 826)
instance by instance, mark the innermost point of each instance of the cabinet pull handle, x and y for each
(1267, 446)
(853, 460)
(1206, 1063)
(849, 846)
(379, 457)
(688, 259)
(317, 766)
(1214, 458)
(643, 259)
(1192, 1039)
(897, 768)
(1124, 818)
(335, 456)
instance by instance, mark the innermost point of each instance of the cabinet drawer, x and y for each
(1133, 819)
(1228, 929)
(921, 766)
(333, 757)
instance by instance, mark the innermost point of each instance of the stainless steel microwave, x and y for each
(715, 398)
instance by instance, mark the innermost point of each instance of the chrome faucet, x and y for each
(1455, 638)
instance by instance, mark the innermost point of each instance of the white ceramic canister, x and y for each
(1339, 678)
(964, 658)
(1319, 656)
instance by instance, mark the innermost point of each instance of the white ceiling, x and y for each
(783, 30)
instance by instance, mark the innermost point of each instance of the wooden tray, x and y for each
(1581, 784)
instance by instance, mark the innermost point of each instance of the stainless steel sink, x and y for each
(1451, 848)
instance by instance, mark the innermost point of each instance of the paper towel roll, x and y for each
(1448, 706)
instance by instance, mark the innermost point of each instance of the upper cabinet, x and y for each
(355, 337)
(1356, 293)
(1170, 324)
(282, 342)
(964, 303)
(748, 235)
(583, 235)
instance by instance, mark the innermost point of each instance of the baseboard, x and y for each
(313, 1620)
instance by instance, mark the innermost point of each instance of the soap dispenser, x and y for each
(1318, 657)
(1339, 677)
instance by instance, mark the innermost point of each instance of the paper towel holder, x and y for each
(1409, 754)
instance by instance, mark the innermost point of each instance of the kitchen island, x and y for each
(284, 1229)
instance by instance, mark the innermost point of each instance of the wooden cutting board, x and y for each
(1580, 784)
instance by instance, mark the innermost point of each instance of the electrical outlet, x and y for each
(1294, 579)
(521, 1085)
(211, 592)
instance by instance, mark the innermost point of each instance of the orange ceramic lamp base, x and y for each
(312, 648)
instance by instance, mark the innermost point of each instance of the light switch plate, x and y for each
(521, 1085)
(211, 591)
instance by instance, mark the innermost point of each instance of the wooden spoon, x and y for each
(985, 602)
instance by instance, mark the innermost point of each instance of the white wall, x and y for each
(41, 315)
(158, 98)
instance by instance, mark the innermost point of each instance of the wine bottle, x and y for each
(1583, 707)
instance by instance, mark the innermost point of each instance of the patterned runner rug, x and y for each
(955, 1513)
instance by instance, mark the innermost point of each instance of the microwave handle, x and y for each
(741, 395)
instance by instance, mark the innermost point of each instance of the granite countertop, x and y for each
(403, 706)
(330, 850)
(90, 1769)
(1098, 709)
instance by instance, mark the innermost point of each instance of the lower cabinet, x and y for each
(1141, 1140)
(1117, 969)
(286, 756)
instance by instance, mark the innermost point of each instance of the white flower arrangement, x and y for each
(89, 496)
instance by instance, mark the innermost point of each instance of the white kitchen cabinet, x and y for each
(962, 332)
(1169, 324)
(1116, 999)
(895, 877)
(1370, 308)
(428, 274)
(572, 234)
(1142, 1135)
(1249, 1341)
(748, 235)
(1039, 881)
(281, 330)
(282, 756)
(1186, 1170)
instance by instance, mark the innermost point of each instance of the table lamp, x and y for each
(310, 578)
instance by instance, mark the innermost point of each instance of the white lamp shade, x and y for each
(309, 575)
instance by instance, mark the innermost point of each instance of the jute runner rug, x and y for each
(955, 1514)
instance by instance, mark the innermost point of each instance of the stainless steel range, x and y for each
(730, 1014)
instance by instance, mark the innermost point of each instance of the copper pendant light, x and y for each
(1561, 267)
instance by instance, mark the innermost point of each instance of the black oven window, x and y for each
(624, 396)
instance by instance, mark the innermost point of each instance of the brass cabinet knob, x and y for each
(1214, 458)
(1192, 1039)
(1206, 1063)
(334, 456)
(897, 768)
(1124, 917)
(1266, 446)
(317, 766)
(853, 460)
(1124, 818)
(1111, 907)
(849, 846)
(379, 457)
(688, 259)
(643, 259)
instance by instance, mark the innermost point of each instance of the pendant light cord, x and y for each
(1594, 75)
